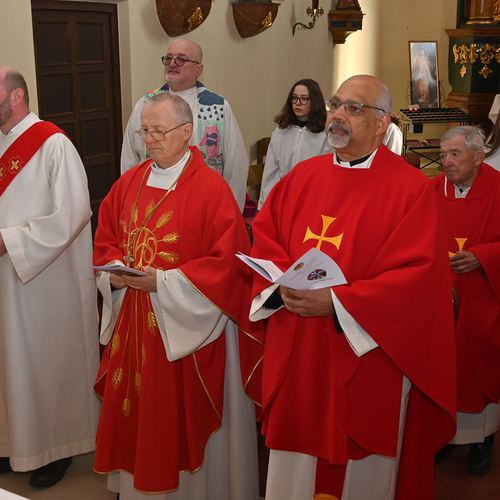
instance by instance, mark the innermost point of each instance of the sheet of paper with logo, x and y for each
(313, 270)
(119, 269)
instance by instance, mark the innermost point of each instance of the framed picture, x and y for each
(424, 74)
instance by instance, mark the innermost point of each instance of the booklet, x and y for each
(313, 270)
(119, 269)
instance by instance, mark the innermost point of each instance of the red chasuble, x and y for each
(319, 398)
(473, 223)
(157, 415)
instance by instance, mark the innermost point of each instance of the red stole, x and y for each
(22, 150)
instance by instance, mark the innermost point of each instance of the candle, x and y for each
(315, 4)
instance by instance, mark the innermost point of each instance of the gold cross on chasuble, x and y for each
(14, 165)
(334, 240)
(461, 243)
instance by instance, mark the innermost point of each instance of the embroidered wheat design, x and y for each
(126, 407)
(115, 345)
(164, 219)
(117, 378)
(171, 238)
(150, 208)
(138, 383)
(152, 321)
(169, 256)
(135, 214)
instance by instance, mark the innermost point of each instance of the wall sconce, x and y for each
(314, 11)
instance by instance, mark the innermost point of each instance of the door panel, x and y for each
(76, 52)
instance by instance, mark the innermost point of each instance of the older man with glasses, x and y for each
(175, 421)
(215, 129)
(359, 379)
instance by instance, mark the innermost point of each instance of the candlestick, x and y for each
(314, 12)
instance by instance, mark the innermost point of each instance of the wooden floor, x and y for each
(453, 482)
(79, 483)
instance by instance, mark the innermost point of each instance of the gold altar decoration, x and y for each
(487, 53)
(464, 54)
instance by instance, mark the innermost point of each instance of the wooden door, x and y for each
(77, 67)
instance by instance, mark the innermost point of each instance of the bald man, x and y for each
(359, 379)
(215, 131)
(49, 354)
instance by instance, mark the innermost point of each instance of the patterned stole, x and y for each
(211, 125)
(22, 150)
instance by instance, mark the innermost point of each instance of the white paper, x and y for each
(119, 269)
(313, 270)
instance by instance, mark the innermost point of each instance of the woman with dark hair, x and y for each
(300, 134)
(492, 145)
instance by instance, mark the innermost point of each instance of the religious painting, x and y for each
(424, 74)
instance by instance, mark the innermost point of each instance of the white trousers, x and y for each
(292, 476)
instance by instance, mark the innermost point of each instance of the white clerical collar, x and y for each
(163, 178)
(17, 127)
(364, 164)
(460, 191)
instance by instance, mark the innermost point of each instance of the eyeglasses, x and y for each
(351, 107)
(156, 135)
(302, 100)
(179, 61)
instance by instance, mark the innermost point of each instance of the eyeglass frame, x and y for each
(140, 132)
(294, 99)
(329, 103)
(166, 63)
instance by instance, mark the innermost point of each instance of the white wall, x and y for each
(255, 74)
(16, 42)
(381, 48)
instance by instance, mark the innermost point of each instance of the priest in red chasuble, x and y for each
(469, 196)
(359, 380)
(175, 420)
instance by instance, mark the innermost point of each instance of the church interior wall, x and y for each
(255, 74)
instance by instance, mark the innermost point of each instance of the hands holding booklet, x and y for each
(312, 271)
(119, 269)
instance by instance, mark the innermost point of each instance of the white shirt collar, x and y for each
(163, 178)
(15, 128)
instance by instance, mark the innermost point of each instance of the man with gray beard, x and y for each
(359, 380)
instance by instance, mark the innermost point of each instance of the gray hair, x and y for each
(473, 136)
(14, 80)
(181, 112)
(384, 99)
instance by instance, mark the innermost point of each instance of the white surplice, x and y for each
(393, 138)
(288, 147)
(48, 320)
